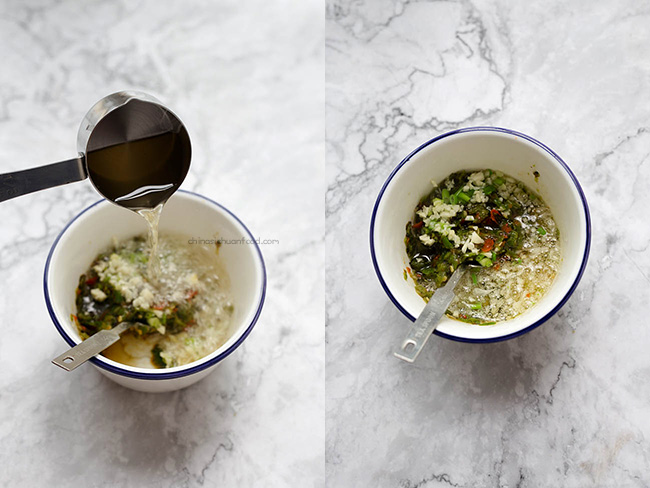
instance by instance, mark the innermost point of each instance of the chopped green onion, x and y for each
(541, 231)
(484, 261)
(445, 195)
(474, 278)
(463, 196)
(488, 189)
(476, 306)
(498, 181)
(518, 261)
(446, 242)
(455, 198)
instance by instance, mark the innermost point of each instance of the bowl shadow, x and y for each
(136, 433)
(503, 373)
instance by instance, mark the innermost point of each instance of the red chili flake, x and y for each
(91, 281)
(192, 294)
(488, 245)
(506, 228)
(418, 225)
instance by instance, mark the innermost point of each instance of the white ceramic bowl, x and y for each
(91, 232)
(468, 149)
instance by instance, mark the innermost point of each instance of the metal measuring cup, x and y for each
(135, 151)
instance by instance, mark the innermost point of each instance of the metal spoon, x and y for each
(427, 321)
(92, 346)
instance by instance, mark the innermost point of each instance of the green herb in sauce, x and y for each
(491, 220)
(180, 318)
(112, 307)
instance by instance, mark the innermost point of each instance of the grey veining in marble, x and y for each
(566, 404)
(247, 80)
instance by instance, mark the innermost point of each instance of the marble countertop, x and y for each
(247, 80)
(566, 404)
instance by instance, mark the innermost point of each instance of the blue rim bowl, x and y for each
(418, 155)
(181, 371)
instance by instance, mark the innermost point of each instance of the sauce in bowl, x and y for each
(495, 222)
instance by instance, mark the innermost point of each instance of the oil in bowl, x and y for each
(182, 312)
(496, 222)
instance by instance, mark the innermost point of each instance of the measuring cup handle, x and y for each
(19, 183)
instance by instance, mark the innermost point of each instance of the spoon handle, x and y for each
(19, 183)
(92, 346)
(427, 321)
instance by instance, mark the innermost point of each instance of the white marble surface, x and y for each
(247, 79)
(567, 404)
